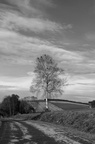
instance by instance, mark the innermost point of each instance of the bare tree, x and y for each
(47, 77)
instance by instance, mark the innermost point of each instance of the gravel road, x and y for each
(33, 132)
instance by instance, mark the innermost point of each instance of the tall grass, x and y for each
(81, 120)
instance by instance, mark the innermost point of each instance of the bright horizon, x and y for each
(63, 29)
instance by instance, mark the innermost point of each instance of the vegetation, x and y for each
(11, 105)
(25, 107)
(81, 120)
(47, 78)
(92, 104)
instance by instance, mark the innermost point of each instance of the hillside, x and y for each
(58, 104)
(64, 100)
(70, 105)
(40, 106)
(52, 107)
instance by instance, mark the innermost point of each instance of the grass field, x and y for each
(71, 106)
(56, 105)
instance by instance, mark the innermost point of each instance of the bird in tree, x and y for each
(47, 78)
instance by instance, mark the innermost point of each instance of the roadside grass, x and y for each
(82, 137)
(83, 121)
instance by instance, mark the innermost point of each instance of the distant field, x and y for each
(57, 105)
(70, 106)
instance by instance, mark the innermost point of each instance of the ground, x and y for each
(36, 132)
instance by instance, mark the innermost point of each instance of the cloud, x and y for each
(8, 88)
(31, 3)
(81, 86)
(12, 83)
(25, 7)
(14, 21)
(23, 3)
(30, 73)
(19, 49)
(6, 33)
(32, 7)
(46, 3)
(82, 80)
(90, 36)
(36, 21)
(28, 3)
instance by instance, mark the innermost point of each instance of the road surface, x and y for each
(33, 132)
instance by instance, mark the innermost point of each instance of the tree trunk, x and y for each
(47, 103)
(10, 109)
(10, 112)
(13, 106)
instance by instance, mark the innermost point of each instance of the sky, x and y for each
(64, 29)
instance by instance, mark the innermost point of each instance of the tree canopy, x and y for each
(11, 105)
(47, 77)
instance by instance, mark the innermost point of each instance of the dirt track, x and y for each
(31, 132)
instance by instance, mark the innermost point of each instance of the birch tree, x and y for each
(47, 78)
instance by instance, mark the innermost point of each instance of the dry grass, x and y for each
(60, 131)
(81, 120)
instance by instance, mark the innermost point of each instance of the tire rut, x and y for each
(19, 134)
(39, 137)
(4, 133)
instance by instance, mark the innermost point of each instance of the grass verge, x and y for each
(81, 120)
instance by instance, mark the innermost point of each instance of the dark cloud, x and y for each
(4, 2)
(30, 7)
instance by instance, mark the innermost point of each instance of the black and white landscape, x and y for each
(47, 71)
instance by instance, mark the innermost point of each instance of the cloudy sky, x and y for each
(65, 29)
